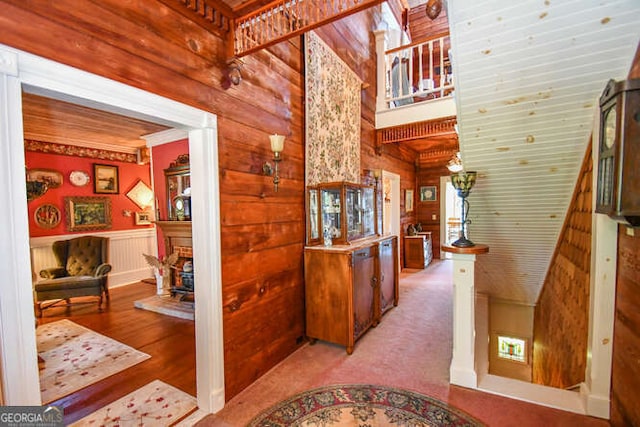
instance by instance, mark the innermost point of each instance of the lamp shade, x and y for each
(463, 181)
(277, 143)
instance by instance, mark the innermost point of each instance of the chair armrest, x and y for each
(102, 270)
(53, 273)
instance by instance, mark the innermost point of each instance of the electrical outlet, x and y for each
(630, 231)
(434, 217)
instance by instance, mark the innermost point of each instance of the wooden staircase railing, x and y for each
(282, 19)
(271, 24)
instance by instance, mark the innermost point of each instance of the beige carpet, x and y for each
(171, 306)
(155, 404)
(75, 357)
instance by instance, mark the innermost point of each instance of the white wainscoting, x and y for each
(125, 254)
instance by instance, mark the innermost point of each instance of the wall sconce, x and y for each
(463, 182)
(277, 145)
(234, 70)
(455, 163)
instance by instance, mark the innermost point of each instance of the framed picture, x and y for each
(428, 193)
(408, 200)
(51, 177)
(88, 213)
(141, 195)
(105, 179)
(143, 218)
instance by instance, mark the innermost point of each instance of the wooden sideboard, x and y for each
(418, 251)
(349, 287)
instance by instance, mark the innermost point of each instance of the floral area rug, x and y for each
(362, 406)
(155, 404)
(75, 357)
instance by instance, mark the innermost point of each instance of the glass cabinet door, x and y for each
(368, 212)
(331, 204)
(314, 233)
(353, 212)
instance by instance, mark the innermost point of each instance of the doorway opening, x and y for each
(23, 71)
(451, 212)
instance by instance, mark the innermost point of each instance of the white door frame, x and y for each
(393, 227)
(18, 356)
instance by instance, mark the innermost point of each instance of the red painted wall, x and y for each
(128, 173)
(163, 156)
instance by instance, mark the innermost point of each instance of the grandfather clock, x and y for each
(618, 186)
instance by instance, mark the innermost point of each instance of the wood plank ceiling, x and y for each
(49, 120)
(528, 78)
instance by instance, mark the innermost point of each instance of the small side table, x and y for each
(417, 250)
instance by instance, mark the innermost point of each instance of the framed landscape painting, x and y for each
(105, 179)
(88, 213)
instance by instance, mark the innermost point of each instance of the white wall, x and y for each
(125, 254)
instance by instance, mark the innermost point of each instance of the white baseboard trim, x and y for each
(128, 277)
(534, 393)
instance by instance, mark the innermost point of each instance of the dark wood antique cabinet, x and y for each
(349, 287)
(417, 250)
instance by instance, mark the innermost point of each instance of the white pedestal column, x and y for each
(462, 370)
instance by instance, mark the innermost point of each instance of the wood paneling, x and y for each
(560, 353)
(625, 375)
(150, 46)
(60, 122)
(427, 210)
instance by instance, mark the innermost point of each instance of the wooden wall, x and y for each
(422, 26)
(426, 210)
(147, 45)
(625, 376)
(560, 353)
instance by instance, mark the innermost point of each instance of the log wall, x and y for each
(150, 46)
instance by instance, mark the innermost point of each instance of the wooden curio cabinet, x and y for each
(345, 210)
(388, 264)
(349, 287)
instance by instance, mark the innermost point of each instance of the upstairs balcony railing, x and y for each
(417, 72)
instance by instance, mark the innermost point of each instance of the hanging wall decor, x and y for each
(333, 98)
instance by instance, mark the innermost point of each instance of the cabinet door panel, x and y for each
(388, 274)
(363, 289)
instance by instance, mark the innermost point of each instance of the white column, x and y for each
(205, 209)
(18, 355)
(381, 69)
(462, 371)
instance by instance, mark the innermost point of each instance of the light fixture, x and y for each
(463, 182)
(455, 163)
(433, 8)
(277, 145)
(234, 72)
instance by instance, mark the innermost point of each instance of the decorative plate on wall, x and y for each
(47, 216)
(79, 178)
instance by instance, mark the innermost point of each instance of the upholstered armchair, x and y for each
(82, 271)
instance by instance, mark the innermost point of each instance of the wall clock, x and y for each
(618, 185)
(79, 178)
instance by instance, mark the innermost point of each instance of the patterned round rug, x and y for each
(362, 406)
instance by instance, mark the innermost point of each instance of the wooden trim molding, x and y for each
(72, 150)
(417, 130)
